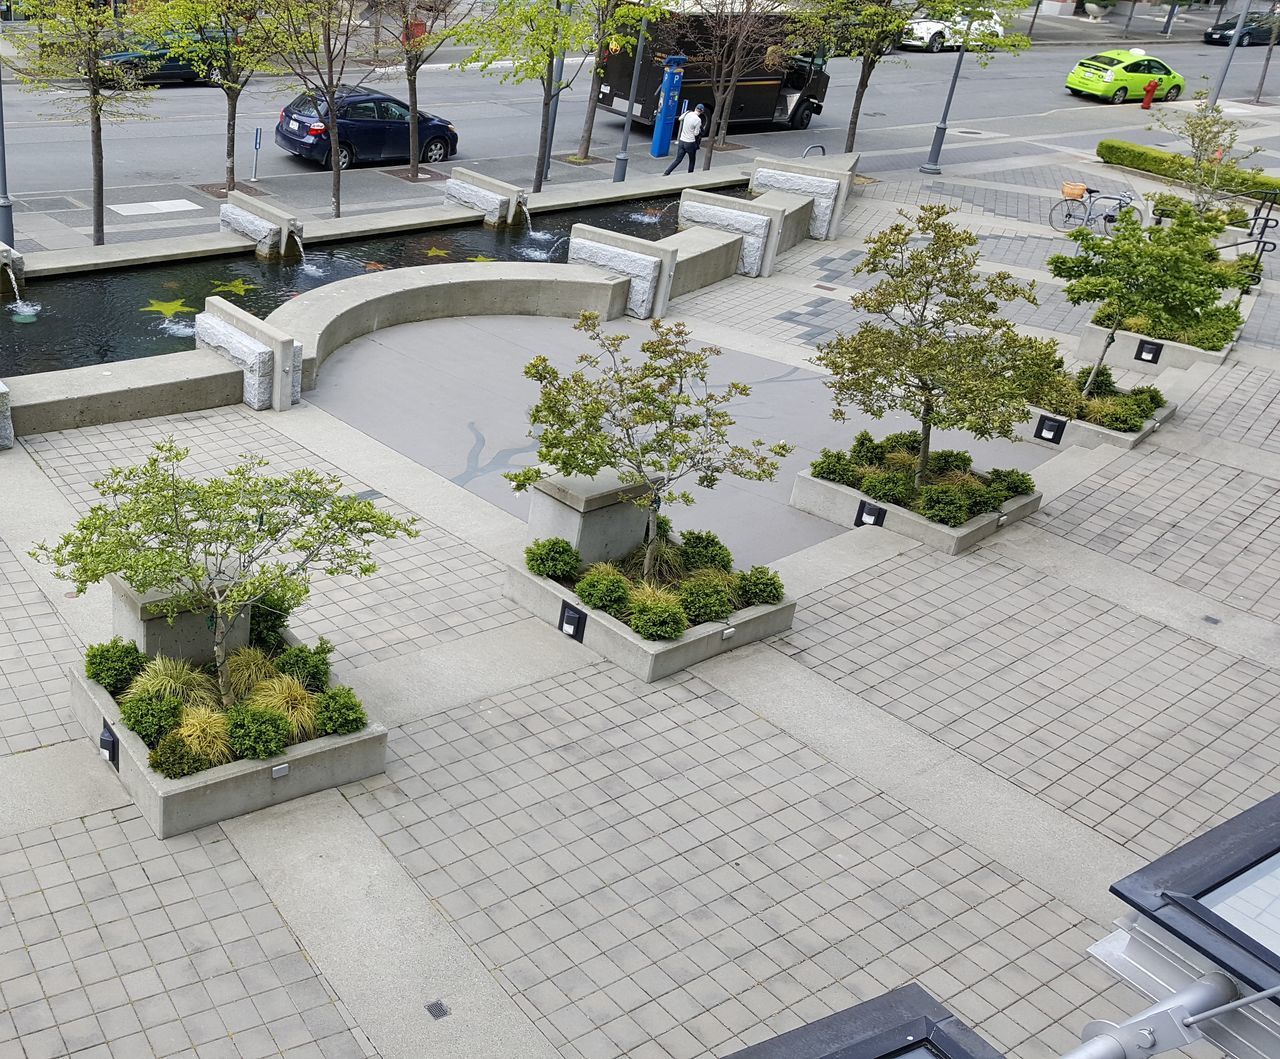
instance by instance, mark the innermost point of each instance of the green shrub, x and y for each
(114, 664)
(247, 667)
(903, 441)
(977, 497)
(656, 613)
(256, 733)
(866, 449)
(1148, 395)
(759, 586)
(706, 597)
(1176, 166)
(1059, 395)
(834, 466)
(339, 712)
(1215, 330)
(174, 678)
(268, 619)
(204, 730)
(606, 588)
(664, 528)
(1115, 413)
(1103, 384)
(668, 564)
(553, 557)
(173, 758)
(288, 696)
(889, 487)
(151, 717)
(308, 665)
(943, 503)
(703, 550)
(946, 460)
(1012, 481)
(900, 462)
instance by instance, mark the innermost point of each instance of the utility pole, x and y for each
(620, 159)
(940, 131)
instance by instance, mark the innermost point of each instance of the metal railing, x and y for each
(813, 147)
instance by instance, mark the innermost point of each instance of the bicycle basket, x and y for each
(1072, 190)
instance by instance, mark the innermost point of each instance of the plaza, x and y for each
(933, 777)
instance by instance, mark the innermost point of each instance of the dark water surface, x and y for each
(96, 318)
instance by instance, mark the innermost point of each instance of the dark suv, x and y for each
(372, 127)
(1258, 27)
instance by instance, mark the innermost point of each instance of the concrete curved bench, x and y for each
(327, 318)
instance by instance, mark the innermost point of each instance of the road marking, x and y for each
(137, 209)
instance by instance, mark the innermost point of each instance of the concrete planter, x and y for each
(174, 806)
(841, 504)
(1088, 435)
(1149, 355)
(649, 660)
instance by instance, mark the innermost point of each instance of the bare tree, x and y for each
(616, 27)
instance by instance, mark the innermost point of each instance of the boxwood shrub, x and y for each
(606, 588)
(114, 664)
(707, 597)
(759, 586)
(656, 613)
(1176, 166)
(151, 717)
(339, 712)
(703, 550)
(256, 734)
(307, 665)
(943, 503)
(173, 758)
(553, 557)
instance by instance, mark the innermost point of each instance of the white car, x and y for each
(930, 35)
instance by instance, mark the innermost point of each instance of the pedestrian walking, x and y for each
(690, 137)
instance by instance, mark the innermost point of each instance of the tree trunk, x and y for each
(651, 548)
(1111, 337)
(415, 147)
(718, 108)
(926, 428)
(233, 102)
(335, 168)
(544, 148)
(95, 151)
(220, 631)
(864, 80)
(589, 122)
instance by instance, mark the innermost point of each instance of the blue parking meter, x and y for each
(668, 105)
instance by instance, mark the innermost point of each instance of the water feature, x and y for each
(100, 317)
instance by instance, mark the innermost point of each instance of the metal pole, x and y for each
(1167, 28)
(1133, 5)
(6, 203)
(940, 132)
(1266, 64)
(620, 159)
(1034, 14)
(1231, 50)
(557, 76)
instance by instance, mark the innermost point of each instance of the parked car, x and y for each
(372, 127)
(1258, 28)
(154, 60)
(1124, 74)
(931, 35)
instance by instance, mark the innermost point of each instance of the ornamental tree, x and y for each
(615, 27)
(1213, 169)
(655, 420)
(219, 545)
(936, 346)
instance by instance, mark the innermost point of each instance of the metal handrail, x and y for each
(813, 147)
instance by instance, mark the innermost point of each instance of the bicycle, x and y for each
(1082, 206)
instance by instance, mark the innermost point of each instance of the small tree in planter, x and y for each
(936, 346)
(219, 545)
(656, 421)
(1213, 170)
(1164, 279)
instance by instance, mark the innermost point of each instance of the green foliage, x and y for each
(217, 544)
(1213, 329)
(835, 466)
(1212, 160)
(174, 759)
(246, 667)
(702, 549)
(173, 678)
(666, 563)
(656, 420)
(1151, 397)
(151, 717)
(1115, 413)
(664, 528)
(1103, 384)
(977, 497)
(944, 461)
(759, 586)
(935, 346)
(114, 664)
(900, 462)
(902, 441)
(1013, 482)
(1059, 394)
(288, 696)
(204, 730)
(706, 597)
(1179, 167)
(308, 665)
(943, 503)
(553, 557)
(656, 613)
(339, 712)
(866, 450)
(606, 588)
(889, 487)
(268, 619)
(257, 733)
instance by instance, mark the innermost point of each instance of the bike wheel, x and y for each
(1067, 215)
(1111, 216)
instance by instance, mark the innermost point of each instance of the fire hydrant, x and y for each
(1149, 93)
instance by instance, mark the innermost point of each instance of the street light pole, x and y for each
(6, 203)
(620, 159)
(940, 132)
(1231, 50)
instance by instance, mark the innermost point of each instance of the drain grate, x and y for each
(1212, 620)
(437, 1009)
(369, 494)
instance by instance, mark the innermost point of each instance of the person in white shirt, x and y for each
(690, 136)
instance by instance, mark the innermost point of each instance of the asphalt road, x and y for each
(181, 140)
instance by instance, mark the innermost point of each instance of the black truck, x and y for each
(786, 92)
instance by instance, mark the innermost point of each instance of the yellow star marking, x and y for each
(481, 257)
(437, 251)
(168, 309)
(233, 286)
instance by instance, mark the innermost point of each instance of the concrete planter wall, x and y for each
(133, 617)
(1088, 435)
(840, 504)
(174, 806)
(1149, 355)
(649, 660)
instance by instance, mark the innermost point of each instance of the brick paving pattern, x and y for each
(1263, 326)
(116, 945)
(1239, 402)
(1202, 525)
(1145, 734)
(36, 646)
(654, 871)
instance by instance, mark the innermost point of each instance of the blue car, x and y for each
(372, 127)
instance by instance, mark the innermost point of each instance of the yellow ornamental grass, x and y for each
(287, 695)
(174, 678)
(204, 730)
(248, 667)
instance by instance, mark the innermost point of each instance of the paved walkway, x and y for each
(933, 777)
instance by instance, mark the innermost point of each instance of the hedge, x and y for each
(1175, 166)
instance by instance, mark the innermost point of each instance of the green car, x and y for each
(1124, 74)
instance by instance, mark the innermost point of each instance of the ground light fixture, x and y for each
(1050, 428)
(109, 745)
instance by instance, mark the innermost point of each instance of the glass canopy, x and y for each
(1250, 902)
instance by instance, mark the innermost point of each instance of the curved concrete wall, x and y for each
(329, 317)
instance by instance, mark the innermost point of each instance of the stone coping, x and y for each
(172, 807)
(588, 494)
(649, 660)
(840, 504)
(1090, 435)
